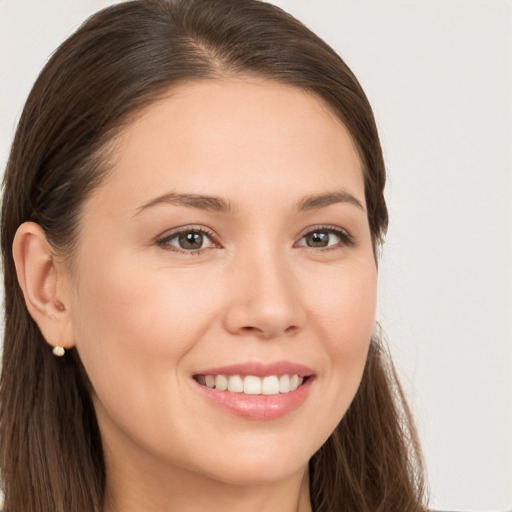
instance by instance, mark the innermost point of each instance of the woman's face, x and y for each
(229, 245)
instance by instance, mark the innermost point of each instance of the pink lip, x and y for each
(260, 369)
(259, 407)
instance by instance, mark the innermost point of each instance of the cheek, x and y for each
(345, 320)
(345, 310)
(130, 321)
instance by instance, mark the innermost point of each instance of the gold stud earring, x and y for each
(58, 351)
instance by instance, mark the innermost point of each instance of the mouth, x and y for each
(257, 391)
(253, 384)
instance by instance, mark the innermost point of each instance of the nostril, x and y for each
(269, 333)
(251, 330)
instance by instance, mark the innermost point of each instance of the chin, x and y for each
(247, 474)
(257, 465)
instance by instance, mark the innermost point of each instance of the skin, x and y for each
(146, 315)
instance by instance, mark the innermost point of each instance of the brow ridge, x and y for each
(318, 201)
(202, 202)
(220, 205)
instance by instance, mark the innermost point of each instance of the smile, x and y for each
(252, 384)
(255, 390)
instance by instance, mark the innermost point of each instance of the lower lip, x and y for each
(259, 407)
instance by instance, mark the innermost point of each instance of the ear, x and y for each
(42, 281)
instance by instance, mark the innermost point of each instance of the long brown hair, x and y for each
(118, 62)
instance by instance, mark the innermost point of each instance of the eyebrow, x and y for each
(208, 203)
(219, 205)
(317, 201)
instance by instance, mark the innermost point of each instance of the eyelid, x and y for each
(346, 237)
(162, 239)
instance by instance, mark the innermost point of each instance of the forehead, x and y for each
(229, 135)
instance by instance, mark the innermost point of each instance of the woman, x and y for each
(192, 214)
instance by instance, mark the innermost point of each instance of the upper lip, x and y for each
(260, 369)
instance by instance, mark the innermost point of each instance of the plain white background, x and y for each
(439, 76)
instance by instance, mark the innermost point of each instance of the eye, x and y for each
(324, 237)
(188, 240)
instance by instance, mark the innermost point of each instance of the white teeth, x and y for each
(270, 385)
(284, 384)
(252, 385)
(221, 383)
(235, 384)
(294, 382)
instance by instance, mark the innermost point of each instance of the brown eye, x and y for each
(321, 238)
(191, 240)
(318, 239)
(187, 241)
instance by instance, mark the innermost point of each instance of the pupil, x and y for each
(318, 239)
(191, 240)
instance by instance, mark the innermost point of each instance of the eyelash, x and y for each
(346, 239)
(164, 240)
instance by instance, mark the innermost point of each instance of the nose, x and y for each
(264, 298)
